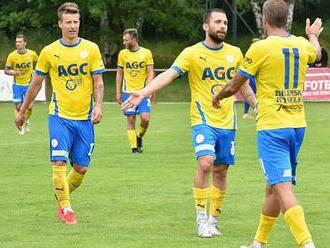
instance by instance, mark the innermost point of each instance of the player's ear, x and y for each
(205, 27)
(60, 23)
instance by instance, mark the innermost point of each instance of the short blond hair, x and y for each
(67, 8)
(132, 32)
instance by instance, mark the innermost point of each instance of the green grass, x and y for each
(146, 200)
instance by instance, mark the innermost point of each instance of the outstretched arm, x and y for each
(249, 96)
(156, 84)
(229, 89)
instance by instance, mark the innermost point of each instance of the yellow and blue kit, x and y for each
(279, 65)
(208, 71)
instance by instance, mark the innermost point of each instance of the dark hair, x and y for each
(132, 32)
(21, 36)
(275, 12)
(67, 8)
(208, 13)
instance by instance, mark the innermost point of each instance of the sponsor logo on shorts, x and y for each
(287, 173)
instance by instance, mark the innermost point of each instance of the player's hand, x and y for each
(132, 101)
(118, 99)
(216, 102)
(314, 29)
(97, 114)
(20, 119)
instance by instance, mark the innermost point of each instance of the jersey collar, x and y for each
(70, 45)
(211, 48)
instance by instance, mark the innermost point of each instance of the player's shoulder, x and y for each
(13, 53)
(29, 51)
(89, 43)
(145, 50)
(232, 48)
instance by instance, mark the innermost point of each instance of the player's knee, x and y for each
(205, 164)
(145, 122)
(220, 171)
(80, 169)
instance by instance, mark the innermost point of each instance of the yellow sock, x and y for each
(74, 180)
(295, 219)
(132, 138)
(61, 186)
(216, 200)
(200, 197)
(141, 131)
(28, 114)
(15, 112)
(266, 224)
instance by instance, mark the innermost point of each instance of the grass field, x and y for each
(146, 200)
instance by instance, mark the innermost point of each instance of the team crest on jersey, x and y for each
(230, 58)
(84, 54)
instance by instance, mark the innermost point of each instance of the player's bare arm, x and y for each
(11, 72)
(313, 31)
(98, 98)
(119, 81)
(249, 96)
(150, 75)
(156, 84)
(31, 94)
(229, 89)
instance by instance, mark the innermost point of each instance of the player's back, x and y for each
(280, 64)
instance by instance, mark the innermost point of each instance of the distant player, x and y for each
(20, 64)
(210, 64)
(279, 63)
(135, 70)
(75, 68)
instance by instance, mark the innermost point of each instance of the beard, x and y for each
(214, 36)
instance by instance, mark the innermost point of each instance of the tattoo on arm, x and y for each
(98, 91)
(249, 95)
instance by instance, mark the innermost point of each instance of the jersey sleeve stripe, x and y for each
(40, 73)
(100, 71)
(244, 73)
(178, 70)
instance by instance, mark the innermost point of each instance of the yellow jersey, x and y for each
(279, 65)
(23, 63)
(134, 66)
(71, 69)
(208, 71)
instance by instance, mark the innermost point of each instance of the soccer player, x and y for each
(279, 63)
(210, 64)
(75, 67)
(135, 70)
(20, 64)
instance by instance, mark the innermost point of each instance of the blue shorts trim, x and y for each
(278, 151)
(19, 92)
(217, 142)
(71, 140)
(143, 107)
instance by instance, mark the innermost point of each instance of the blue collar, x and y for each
(70, 45)
(211, 48)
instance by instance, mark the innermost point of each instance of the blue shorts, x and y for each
(71, 140)
(217, 142)
(278, 151)
(19, 92)
(143, 107)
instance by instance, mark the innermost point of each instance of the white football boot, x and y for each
(203, 227)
